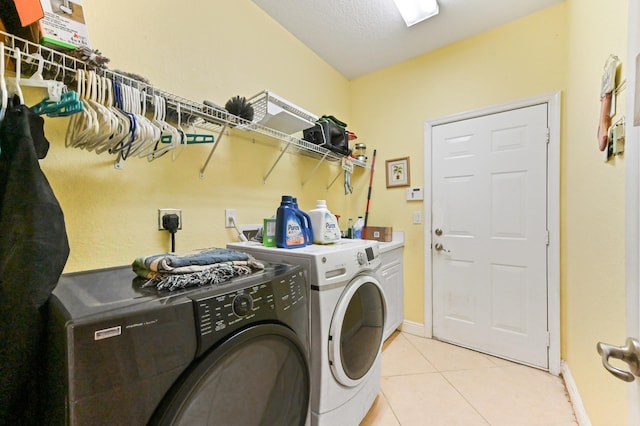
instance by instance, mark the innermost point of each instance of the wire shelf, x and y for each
(62, 67)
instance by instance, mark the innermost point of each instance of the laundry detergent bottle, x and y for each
(325, 225)
(357, 228)
(307, 227)
(290, 231)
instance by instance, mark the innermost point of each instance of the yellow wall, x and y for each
(200, 50)
(561, 48)
(215, 50)
(515, 61)
(593, 289)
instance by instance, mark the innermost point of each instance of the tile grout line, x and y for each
(390, 406)
(465, 398)
(447, 380)
(493, 365)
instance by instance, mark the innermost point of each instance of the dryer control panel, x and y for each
(229, 308)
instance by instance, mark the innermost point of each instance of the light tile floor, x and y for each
(428, 382)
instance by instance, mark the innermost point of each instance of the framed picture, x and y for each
(398, 172)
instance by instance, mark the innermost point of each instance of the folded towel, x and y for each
(172, 271)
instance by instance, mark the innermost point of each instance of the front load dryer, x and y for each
(229, 354)
(348, 311)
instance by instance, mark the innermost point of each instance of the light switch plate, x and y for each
(417, 218)
(415, 194)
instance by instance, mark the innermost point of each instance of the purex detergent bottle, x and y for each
(307, 227)
(325, 224)
(290, 231)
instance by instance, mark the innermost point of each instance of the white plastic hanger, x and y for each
(55, 89)
(175, 153)
(121, 123)
(159, 117)
(16, 81)
(105, 118)
(3, 85)
(82, 126)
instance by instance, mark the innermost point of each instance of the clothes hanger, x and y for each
(137, 133)
(122, 122)
(123, 146)
(169, 134)
(68, 137)
(193, 137)
(16, 81)
(60, 102)
(107, 122)
(153, 131)
(3, 85)
(55, 89)
(144, 135)
(176, 153)
(68, 104)
(82, 126)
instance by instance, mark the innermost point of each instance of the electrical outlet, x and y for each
(229, 214)
(164, 212)
(251, 230)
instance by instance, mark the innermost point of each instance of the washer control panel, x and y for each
(228, 308)
(368, 256)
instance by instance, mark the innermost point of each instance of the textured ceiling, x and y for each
(361, 36)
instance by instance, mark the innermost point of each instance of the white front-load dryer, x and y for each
(348, 312)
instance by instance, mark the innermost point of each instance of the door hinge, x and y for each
(548, 135)
(547, 237)
(548, 339)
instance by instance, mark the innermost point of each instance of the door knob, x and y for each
(630, 353)
(440, 247)
(438, 232)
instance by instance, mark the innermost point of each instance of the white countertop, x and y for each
(396, 242)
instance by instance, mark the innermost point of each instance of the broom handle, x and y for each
(373, 164)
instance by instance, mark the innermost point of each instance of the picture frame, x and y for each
(398, 172)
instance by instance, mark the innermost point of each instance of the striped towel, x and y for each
(173, 271)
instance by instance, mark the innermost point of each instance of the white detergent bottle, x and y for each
(357, 228)
(324, 224)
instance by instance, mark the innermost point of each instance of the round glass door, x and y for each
(356, 330)
(258, 377)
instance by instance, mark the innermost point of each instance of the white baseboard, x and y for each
(581, 414)
(414, 328)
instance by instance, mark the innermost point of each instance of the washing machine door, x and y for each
(259, 376)
(355, 335)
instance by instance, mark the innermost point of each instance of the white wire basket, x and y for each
(270, 110)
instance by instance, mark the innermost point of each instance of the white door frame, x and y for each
(632, 202)
(553, 213)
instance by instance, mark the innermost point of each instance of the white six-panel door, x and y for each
(489, 242)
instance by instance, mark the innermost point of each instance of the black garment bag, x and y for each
(33, 251)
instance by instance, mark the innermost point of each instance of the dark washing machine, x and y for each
(230, 354)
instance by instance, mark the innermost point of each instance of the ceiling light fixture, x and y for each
(414, 11)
